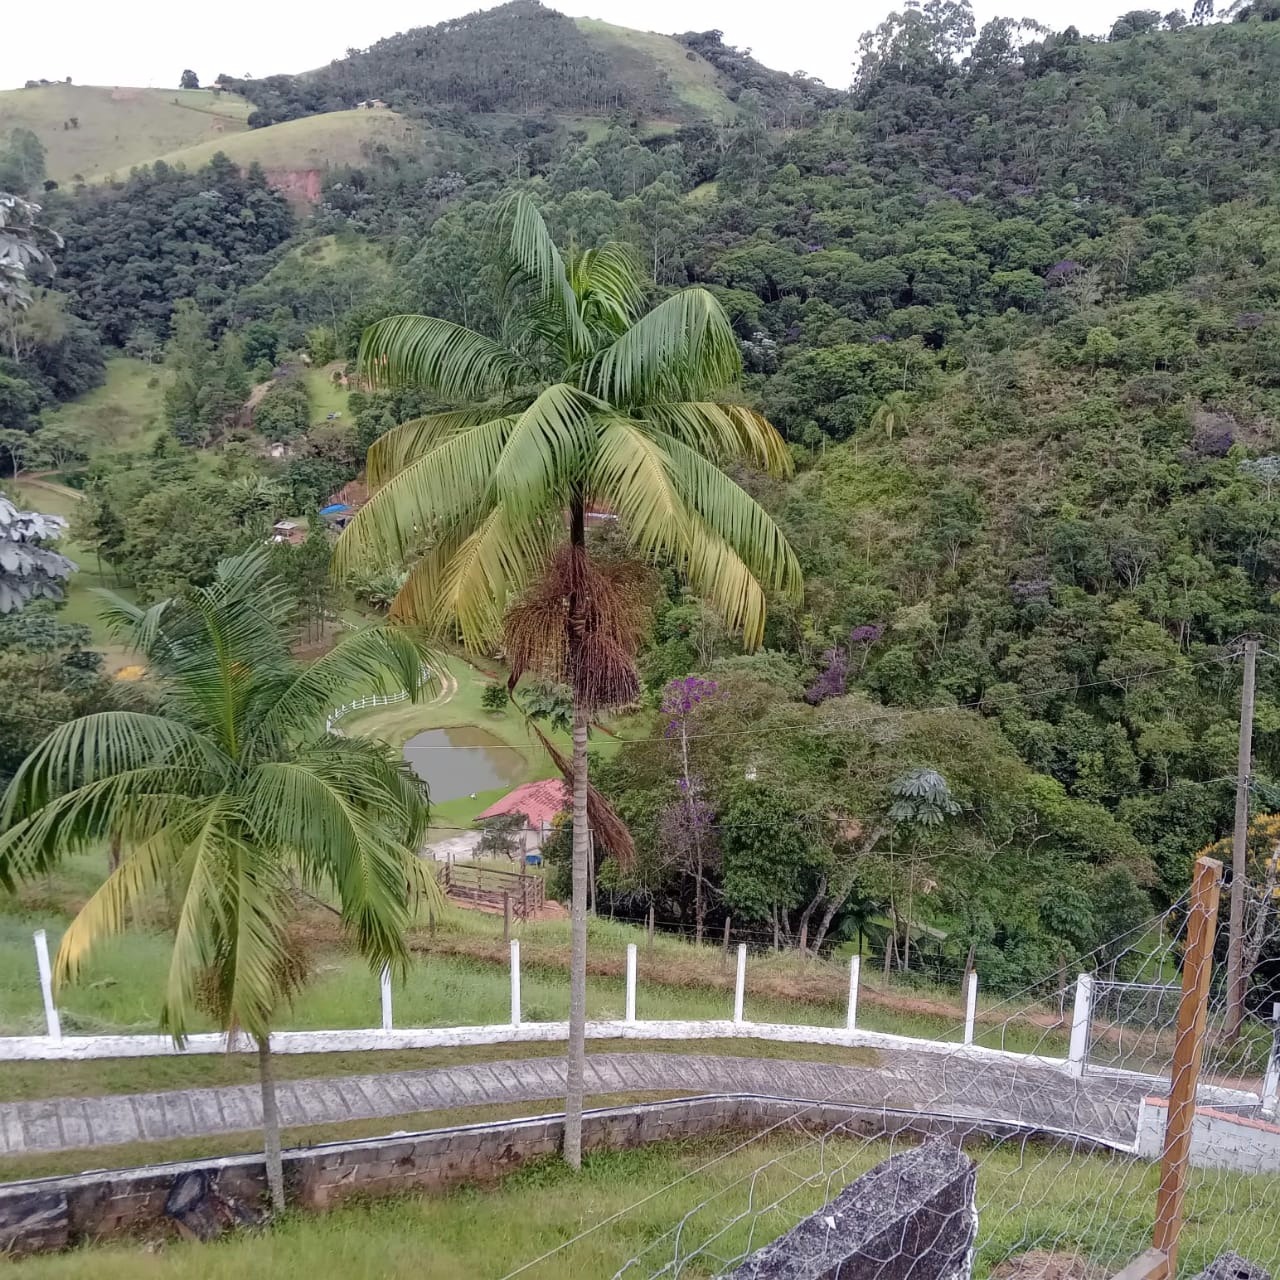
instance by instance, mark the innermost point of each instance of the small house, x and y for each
(289, 531)
(539, 803)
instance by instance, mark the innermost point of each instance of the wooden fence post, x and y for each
(724, 950)
(1188, 1051)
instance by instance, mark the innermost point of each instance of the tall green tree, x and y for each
(228, 800)
(581, 399)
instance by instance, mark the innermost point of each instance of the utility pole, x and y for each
(1240, 849)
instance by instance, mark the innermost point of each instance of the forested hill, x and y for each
(523, 57)
(1013, 300)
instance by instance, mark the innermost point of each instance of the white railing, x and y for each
(55, 1045)
(371, 700)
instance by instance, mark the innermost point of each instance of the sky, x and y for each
(150, 42)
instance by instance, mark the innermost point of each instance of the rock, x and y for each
(199, 1210)
(1231, 1266)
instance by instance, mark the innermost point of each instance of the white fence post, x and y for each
(1271, 1082)
(970, 1006)
(515, 982)
(851, 1019)
(52, 1021)
(740, 987)
(631, 982)
(1081, 1016)
(385, 983)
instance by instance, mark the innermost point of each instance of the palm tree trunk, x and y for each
(270, 1126)
(577, 1066)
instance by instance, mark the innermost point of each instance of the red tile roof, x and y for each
(540, 802)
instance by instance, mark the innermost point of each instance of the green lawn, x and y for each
(461, 705)
(123, 413)
(720, 1193)
(327, 396)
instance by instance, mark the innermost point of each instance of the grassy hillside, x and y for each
(118, 127)
(317, 142)
(123, 413)
(694, 81)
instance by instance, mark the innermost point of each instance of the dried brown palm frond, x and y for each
(581, 624)
(603, 819)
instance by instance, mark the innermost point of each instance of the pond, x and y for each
(461, 759)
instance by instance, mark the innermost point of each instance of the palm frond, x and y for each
(609, 284)
(348, 820)
(373, 660)
(684, 349)
(132, 807)
(396, 449)
(632, 472)
(456, 363)
(98, 747)
(544, 450)
(733, 590)
(143, 870)
(474, 577)
(529, 248)
(722, 433)
(445, 484)
(734, 515)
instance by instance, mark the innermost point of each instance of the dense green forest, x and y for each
(523, 58)
(1013, 300)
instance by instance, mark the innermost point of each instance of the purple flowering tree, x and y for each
(831, 680)
(686, 823)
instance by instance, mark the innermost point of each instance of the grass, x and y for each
(27, 1081)
(314, 142)
(720, 1192)
(459, 977)
(123, 413)
(694, 81)
(326, 395)
(119, 127)
(398, 723)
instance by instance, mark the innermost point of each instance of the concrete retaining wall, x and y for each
(200, 1198)
(1219, 1139)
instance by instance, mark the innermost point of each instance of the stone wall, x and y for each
(200, 1198)
(914, 1216)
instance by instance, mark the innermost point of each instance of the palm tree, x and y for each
(582, 400)
(232, 802)
(892, 413)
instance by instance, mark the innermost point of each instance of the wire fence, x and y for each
(1075, 1175)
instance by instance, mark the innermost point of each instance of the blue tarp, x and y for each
(333, 509)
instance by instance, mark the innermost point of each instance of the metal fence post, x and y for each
(1188, 1051)
(740, 986)
(52, 1022)
(1081, 1016)
(631, 982)
(851, 1018)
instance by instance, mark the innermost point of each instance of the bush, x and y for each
(285, 411)
(494, 697)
